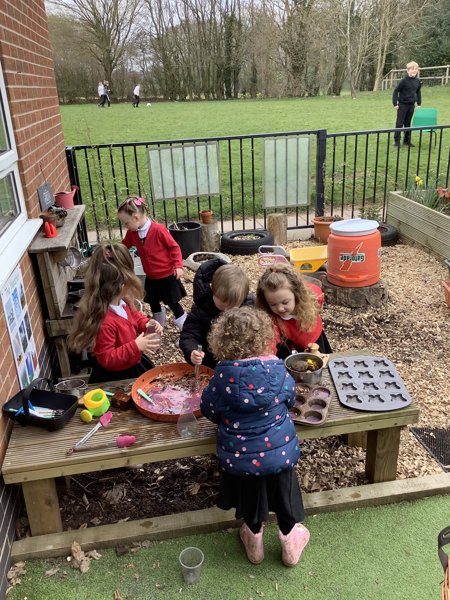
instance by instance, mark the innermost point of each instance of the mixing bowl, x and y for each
(293, 364)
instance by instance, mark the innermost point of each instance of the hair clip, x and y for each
(107, 253)
(139, 201)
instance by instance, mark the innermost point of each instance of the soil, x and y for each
(411, 330)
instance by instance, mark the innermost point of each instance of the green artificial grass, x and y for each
(88, 124)
(380, 553)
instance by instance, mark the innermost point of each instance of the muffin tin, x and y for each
(311, 404)
(369, 383)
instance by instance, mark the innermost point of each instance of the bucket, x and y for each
(65, 199)
(187, 236)
(354, 253)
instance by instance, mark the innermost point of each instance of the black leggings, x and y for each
(176, 308)
(285, 525)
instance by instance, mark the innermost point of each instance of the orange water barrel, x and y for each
(354, 253)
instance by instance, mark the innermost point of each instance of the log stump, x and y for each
(209, 237)
(277, 226)
(362, 297)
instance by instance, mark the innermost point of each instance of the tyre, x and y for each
(193, 261)
(246, 241)
(389, 234)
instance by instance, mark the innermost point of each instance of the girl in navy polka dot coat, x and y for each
(257, 446)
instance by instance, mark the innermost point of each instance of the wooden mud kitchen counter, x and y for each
(35, 457)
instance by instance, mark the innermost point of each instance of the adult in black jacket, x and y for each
(405, 96)
(218, 286)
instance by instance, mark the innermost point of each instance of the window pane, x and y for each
(9, 205)
(4, 141)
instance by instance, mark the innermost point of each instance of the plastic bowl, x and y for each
(311, 377)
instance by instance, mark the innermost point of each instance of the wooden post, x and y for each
(209, 237)
(41, 502)
(277, 226)
(382, 454)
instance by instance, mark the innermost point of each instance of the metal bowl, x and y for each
(311, 377)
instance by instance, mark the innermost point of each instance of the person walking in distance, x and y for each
(101, 90)
(406, 95)
(136, 98)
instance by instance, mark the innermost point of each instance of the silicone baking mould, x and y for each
(311, 404)
(369, 383)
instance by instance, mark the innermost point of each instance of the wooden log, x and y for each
(277, 226)
(373, 295)
(209, 237)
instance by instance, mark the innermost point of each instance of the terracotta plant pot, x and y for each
(322, 227)
(206, 216)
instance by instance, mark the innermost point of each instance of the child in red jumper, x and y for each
(294, 307)
(161, 259)
(107, 323)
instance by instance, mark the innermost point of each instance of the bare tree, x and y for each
(108, 25)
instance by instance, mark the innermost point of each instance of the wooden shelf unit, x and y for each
(49, 252)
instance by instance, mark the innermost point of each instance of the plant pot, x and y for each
(322, 227)
(56, 218)
(206, 216)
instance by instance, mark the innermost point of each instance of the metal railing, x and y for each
(350, 173)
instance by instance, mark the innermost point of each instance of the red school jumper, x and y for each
(115, 346)
(160, 254)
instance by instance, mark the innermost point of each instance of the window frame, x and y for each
(16, 238)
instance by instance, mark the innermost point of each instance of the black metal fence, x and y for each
(350, 174)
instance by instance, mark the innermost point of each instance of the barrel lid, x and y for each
(354, 227)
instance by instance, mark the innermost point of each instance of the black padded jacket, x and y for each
(407, 91)
(203, 312)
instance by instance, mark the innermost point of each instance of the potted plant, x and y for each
(322, 226)
(422, 215)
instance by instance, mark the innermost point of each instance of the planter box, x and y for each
(419, 224)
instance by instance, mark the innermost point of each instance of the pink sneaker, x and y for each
(253, 544)
(293, 544)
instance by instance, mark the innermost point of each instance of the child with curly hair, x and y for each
(294, 307)
(160, 256)
(107, 322)
(257, 447)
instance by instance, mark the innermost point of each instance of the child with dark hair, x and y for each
(107, 322)
(257, 446)
(217, 286)
(161, 259)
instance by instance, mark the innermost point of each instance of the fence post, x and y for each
(321, 155)
(74, 180)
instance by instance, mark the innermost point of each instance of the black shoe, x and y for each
(409, 144)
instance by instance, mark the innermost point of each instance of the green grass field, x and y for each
(88, 124)
(359, 171)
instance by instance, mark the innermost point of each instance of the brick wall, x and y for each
(27, 63)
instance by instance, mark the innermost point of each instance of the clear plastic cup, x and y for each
(191, 561)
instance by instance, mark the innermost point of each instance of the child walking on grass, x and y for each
(257, 446)
(294, 306)
(161, 260)
(107, 323)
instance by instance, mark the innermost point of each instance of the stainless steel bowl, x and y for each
(311, 377)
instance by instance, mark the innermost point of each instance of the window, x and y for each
(16, 230)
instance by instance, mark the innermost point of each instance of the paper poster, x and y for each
(19, 328)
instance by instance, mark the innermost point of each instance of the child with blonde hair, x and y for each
(294, 306)
(107, 322)
(257, 447)
(406, 94)
(217, 287)
(161, 259)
